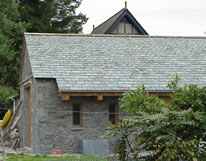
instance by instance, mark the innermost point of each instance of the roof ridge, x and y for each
(117, 36)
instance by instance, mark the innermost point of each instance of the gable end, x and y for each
(126, 14)
(25, 71)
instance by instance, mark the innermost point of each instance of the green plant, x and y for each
(11, 37)
(5, 99)
(53, 16)
(167, 132)
(21, 154)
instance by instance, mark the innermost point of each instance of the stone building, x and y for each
(70, 83)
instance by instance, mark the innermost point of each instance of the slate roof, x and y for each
(111, 23)
(104, 63)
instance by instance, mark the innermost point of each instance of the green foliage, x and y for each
(167, 132)
(137, 101)
(6, 57)
(5, 94)
(190, 96)
(52, 15)
(40, 16)
(11, 35)
(5, 98)
(11, 25)
(174, 83)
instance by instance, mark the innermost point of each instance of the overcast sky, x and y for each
(158, 17)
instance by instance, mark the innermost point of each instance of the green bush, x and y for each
(5, 99)
(167, 132)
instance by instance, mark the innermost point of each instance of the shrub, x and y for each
(166, 132)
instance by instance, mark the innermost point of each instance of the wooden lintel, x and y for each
(100, 97)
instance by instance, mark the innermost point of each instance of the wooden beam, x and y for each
(92, 93)
(164, 94)
(27, 84)
(22, 60)
(65, 96)
(8, 129)
(29, 134)
(100, 97)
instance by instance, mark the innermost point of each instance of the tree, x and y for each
(6, 93)
(52, 15)
(11, 35)
(166, 132)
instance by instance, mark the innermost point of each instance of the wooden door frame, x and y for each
(27, 87)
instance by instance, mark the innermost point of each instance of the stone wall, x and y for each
(52, 119)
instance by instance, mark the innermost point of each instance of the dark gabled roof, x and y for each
(107, 26)
(108, 63)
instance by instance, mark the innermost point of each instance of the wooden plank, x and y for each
(164, 94)
(29, 115)
(92, 94)
(22, 60)
(27, 84)
(65, 97)
(100, 97)
(8, 129)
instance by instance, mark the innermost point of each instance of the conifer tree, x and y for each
(11, 35)
(52, 15)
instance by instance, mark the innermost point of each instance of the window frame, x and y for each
(116, 113)
(80, 114)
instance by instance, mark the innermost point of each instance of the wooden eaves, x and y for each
(65, 96)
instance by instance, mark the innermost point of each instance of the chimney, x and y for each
(125, 4)
(93, 27)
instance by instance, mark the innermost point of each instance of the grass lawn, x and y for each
(26, 157)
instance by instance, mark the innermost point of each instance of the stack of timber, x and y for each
(10, 128)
